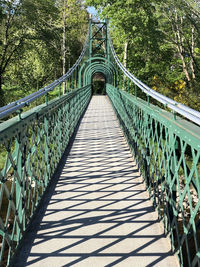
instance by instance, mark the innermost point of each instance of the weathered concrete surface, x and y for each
(99, 213)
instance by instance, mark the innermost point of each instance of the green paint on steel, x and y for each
(102, 65)
(166, 147)
(33, 147)
(168, 154)
(95, 65)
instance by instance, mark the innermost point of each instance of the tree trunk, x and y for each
(179, 44)
(2, 98)
(125, 53)
(183, 64)
(125, 59)
(192, 51)
(64, 43)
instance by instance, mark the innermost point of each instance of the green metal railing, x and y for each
(166, 147)
(126, 80)
(168, 154)
(33, 146)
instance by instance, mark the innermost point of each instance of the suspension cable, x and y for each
(187, 112)
(25, 101)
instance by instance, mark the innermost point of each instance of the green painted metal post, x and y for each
(46, 147)
(135, 90)
(173, 146)
(129, 86)
(146, 167)
(19, 112)
(18, 172)
(174, 115)
(148, 103)
(46, 99)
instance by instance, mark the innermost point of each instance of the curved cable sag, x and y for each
(25, 101)
(187, 112)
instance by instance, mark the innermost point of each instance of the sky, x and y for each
(92, 10)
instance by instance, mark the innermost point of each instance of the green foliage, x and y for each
(163, 41)
(31, 35)
(99, 87)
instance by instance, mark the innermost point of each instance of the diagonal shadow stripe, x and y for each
(97, 211)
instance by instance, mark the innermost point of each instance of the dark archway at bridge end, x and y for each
(99, 84)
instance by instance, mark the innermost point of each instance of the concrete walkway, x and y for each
(97, 213)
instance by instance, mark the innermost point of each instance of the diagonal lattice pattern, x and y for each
(98, 212)
(33, 147)
(168, 154)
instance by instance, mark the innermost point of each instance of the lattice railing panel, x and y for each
(168, 154)
(32, 147)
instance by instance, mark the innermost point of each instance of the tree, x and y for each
(23, 22)
(12, 34)
(163, 42)
(182, 36)
(31, 36)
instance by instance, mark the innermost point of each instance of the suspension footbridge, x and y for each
(99, 180)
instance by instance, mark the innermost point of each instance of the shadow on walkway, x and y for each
(96, 212)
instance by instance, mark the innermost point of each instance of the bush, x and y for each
(98, 88)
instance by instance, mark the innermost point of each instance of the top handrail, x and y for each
(179, 108)
(25, 101)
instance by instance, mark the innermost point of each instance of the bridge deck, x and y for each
(97, 213)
